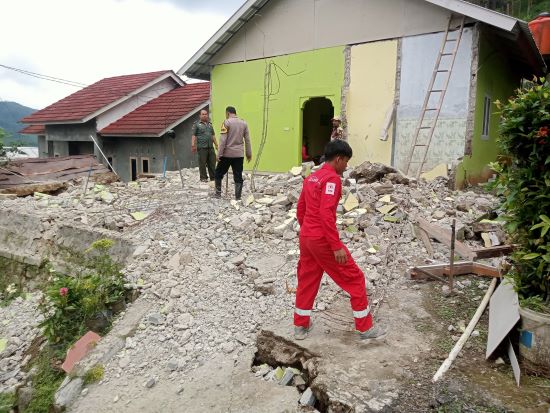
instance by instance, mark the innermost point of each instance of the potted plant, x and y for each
(523, 182)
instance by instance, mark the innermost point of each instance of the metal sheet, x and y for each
(503, 315)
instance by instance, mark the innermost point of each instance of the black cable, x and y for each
(44, 77)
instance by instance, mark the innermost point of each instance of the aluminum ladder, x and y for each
(444, 76)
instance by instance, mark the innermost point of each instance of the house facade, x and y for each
(123, 121)
(289, 66)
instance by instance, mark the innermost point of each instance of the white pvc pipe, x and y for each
(460, 343)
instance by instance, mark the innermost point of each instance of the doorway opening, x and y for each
(316, 121)
(145, 165)
(133, 168)
(80, 148)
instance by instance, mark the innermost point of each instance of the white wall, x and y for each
(418, 57)
(289, 26)
(134, 102)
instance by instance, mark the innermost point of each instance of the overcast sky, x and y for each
(85, 41)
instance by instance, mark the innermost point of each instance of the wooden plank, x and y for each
(444, 236)
(460, 268)
(423, 236)
(491, 252)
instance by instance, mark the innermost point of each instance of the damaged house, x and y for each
(290, 66)
(127, 117)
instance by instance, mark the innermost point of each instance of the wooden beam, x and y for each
(437, 271)
(491, 252)
(444, 236)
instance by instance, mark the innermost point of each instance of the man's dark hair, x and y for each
(337, 147)
(231, 109)
(204, 110)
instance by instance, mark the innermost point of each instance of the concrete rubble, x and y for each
(214, 272)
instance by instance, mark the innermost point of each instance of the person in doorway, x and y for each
(203, 141)
(321, 249)
(234, 140)
(337, 131)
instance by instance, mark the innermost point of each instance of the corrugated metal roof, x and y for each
(199, 65)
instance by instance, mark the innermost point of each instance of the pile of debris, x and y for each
(193, 251)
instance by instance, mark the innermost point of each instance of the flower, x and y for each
(63, 291)
(543, 132)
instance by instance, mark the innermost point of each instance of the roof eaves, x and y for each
(223, 35)
(168, 74)
(185, 117)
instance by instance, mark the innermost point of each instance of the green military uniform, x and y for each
(204, 133)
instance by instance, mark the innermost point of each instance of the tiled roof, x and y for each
(33, 130)
(153, 118)
(79, 105)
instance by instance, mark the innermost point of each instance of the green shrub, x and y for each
(523, 181)
(73, 301)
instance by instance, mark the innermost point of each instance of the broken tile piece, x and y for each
(351, 203)
(386, 199)
(278, 374)
(79, 350)
(308, 398)
(386, 209)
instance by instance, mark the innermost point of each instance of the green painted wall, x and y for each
(318, 73)
(497, 80)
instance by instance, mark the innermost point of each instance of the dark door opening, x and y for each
(110, 164)
(317, 115)
(81, 148)
(145, 165)
(50, 149)
(133, 168)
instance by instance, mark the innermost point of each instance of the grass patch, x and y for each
(94, 375)
(45, 383)
(7, 401)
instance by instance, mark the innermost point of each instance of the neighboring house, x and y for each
(291, 65)
(127, 117)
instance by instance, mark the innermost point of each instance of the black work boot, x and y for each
(218, 191)
(238, 191)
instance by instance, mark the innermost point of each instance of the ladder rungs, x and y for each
(451, 40)
(443, 70)
(425, 127)
(431, 109)
(436, 90)
(447, 54)
(419, 145)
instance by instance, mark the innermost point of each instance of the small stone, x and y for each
(156, 319)
(451, 328)
(173, 365)
(116, 399)
(150, 383)
(373, 260)
(475, 333)
(84, 392)
(439, 214)
(499, 361)
(228, 347)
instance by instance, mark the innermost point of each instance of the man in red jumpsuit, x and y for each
(321, 249)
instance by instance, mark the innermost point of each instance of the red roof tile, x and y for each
(33, 130)
(83, 103)
(156, 115)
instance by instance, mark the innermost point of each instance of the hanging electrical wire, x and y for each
(272, 87)
(44, 77)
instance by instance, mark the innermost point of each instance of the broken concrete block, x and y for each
(299, 382)
(296, 171)
(138, 215)
(67, 393)
(265, 201)
(386, 199)
(382, 188)
(308, 398)
(373, 260)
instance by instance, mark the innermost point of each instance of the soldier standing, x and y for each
(234, 139)
(204, 141)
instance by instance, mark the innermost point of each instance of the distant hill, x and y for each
(10, 113)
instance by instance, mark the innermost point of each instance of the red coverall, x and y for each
(319, 239)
